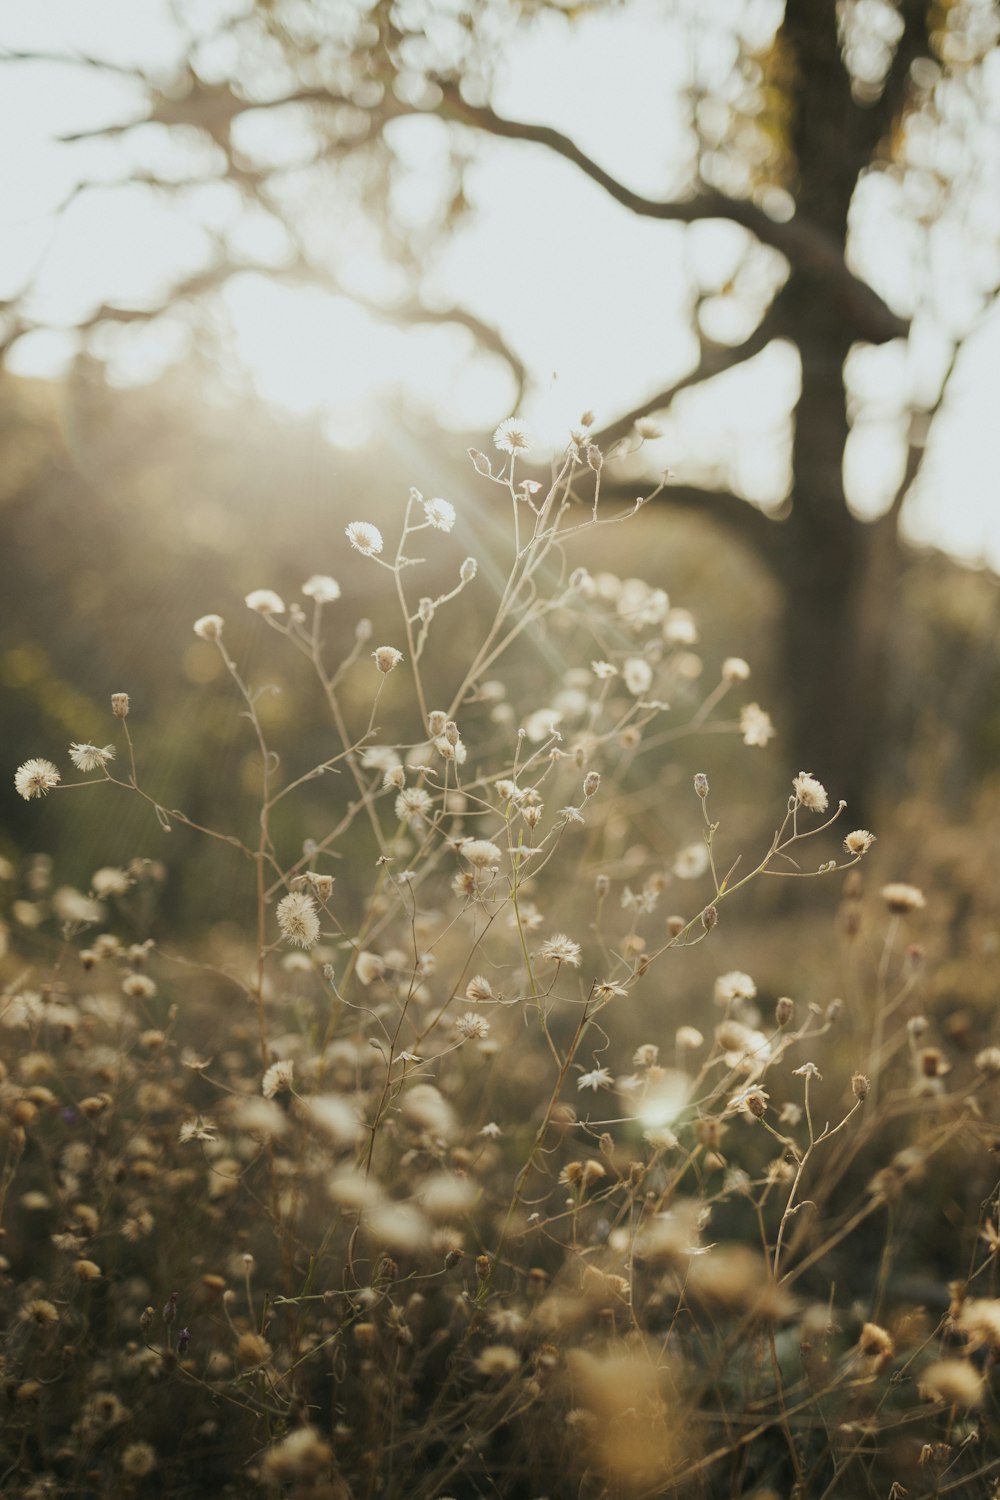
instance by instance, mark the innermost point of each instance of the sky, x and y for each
(596, 302)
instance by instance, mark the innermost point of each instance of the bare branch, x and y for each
(805, 245)
(715, 359)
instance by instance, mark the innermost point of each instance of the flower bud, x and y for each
(120, 705)
(591, 782)
(784, 1009)
(386, 657)
(701, 785)
(709, 917)
(468, 570)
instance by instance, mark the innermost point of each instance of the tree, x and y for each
(822, 101)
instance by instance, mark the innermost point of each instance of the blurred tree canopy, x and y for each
(793, 115)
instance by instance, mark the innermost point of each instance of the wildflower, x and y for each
(90, 757)
(735, 669)
(322, 588)
(755, 725)
(648, 429)
(364, 538)
(468, 570)
(952, 1381)
(610, 991)
(901, 899)
(646, 1056)
(860, 1084)
(637, 675)
(751, 1101)
(597, 1079)
(810, 792)
(298, 921)
(859, 842)
(279, 1077)
(40, 1312)
(265, 602)
(386, 657)
(603, 670)
(734, 986)
(119, 705)
(512, 436)
(560, 949)
(35, 778)
(440, 514)
(679, 628)
(472, 1027)
(491, 1131)
(482, 853)
(209, 627)
(688, 1039)
(478, 988)
(109, 881)
(988, 1062)
(591, 783)
(138, 1460)
(691, 862)
(138, 987)
(412, 804)
(368, 967)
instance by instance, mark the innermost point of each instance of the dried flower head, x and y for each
(298, 919)
(472, 1027)
(859, 842)
(734, 986)
(902, 899)
(35, 778)
(364, 538)
(265, 602)
(755, 725)
(735, 669)
(386, 658)
(482, 853)
(809, 792)
(512, 436)
(209, 627)
(119, 705)
(138, 1460)
(637, 675)
(279, 1077)
(322, 588)
(440, 514)
(90, 757)
(559, 949)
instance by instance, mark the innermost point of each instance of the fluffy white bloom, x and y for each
(679, 628)
(482, 853)
(638, 675)
(90, 757)
(368, 967)
(734, 986)
(298, 920)
(440, 514)
(755, 725)
(599, 1078)
(35, 778)
(603, 670)
(691, 862)
(512, 436)
(209, 627)
(322, 588)
(472, 1027)
(412, 803)
(265, 602)
(279, 1076)
(364, 538)
(201, 1128)
(735, 669)
(386, 657)
(560, 949)
(110, 881)
(541, 724)
(859, 842)
(810, 792)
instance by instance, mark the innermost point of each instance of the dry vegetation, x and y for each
(435, 1182)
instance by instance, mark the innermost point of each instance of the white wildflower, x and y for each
(209, 627)
(279, 1076)
(810, 792)
(322, 588)
(638, 676)
(735, 669)
(472, 1027)
(440, 514)
(90, 757)
(599, 1078)
(755, 725)
(412, 804)
(734, 986)
(691, 862)
(386, 658)
(265, 602)
(560, 949)
(35, 778)
(512, 436)
(364, 538)
(859, 842)
(298, 920)
(482, 853)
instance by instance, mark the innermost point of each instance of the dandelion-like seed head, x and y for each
(119, 705)
(90, 757)
(265, 602)
(386, 658)
(279, 1077)
(412, 803)
(482, 853)
(364, 538)
(512, 436)
(322, 588)
(440, 514)
(35, 778)
(859, 842)
(810, 792)
(209, 627)
(735, 669)
(472, 1027)
(559, 949)
(755, 725)
(298, 919)
(902, 899)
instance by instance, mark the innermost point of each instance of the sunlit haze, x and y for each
(595, 302)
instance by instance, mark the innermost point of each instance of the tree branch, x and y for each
(715, 359)
(804, 244)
